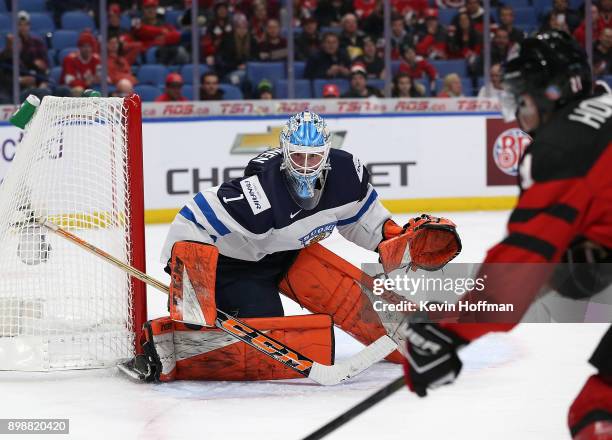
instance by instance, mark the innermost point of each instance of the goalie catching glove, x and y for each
(425, 242)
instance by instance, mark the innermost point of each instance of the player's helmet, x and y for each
(305, 141)
(550, 67)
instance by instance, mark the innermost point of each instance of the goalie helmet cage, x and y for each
(79, 164)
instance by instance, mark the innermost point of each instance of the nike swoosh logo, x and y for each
(293, 215)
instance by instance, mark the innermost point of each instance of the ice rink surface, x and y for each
(513, 386)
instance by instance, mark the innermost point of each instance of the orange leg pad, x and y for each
(322, 282)
(211, 354)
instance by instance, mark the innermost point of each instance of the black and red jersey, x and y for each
(566, 193)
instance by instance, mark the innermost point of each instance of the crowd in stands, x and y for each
(436, 49)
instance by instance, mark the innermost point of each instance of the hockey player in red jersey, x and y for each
(236, 246)
(564, 214)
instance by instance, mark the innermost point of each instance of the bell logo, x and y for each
(508, 149)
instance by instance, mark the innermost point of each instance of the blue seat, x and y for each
(32, 5)
(333, 29)
(153, 74)
(271, 71)
(187, 91)
(608, 79)
(302, 89)
(527, 28)
(542, 7)
(444, 67)
(446, 16)
(151, 55)
(395, 64)
(525, 16)
(317, 86)
(51, 59)
(172, 16)
(147, 92)
(186, 71)
(230, 92)
(125, 22)
(298, 69)
(3, 6)
(377, 83)
(77, 21)
(55, 74)
(61, 39)
(5, 22)
(2, 40)
(517, 3)
(41, 22)
(61, 54)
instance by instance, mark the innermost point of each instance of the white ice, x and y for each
(513, 386)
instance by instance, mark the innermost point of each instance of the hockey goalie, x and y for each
(236, 246)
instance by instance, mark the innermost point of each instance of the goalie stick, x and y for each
(362, 406)
(322, 374)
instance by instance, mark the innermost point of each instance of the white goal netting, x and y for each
(61, 307)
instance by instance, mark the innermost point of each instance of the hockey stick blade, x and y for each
(322, 374)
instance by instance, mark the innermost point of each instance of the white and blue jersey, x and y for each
(255, 216)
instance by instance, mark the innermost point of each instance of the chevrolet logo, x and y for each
(255, 143)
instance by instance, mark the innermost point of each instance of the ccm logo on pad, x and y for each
(255, 194)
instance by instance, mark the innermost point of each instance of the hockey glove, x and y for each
(425, 242)
(431, 357)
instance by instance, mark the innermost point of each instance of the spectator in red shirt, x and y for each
(414, 8)
(431, 38)
(605, 13)
(130, 47)
(452, 87)
(118, 65)
(598, 26)
(363, 8)
(80, 69)
(172, 91)
(152, 31)
(272, 47)
(331, 91)
(465, 41)
(417, 67)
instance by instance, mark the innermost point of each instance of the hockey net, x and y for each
(78, 165)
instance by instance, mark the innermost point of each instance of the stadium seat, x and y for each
(446, 16)
(298, 69)
(444, 67)
(517, 3)
(172, 16)
(51, 53)
(525, 16)
(271, 71)
(186, 71)
(147, 92)
(377, 83)
(41, 22)
(77, 21)
(230, 92)
(302, 89)
(333, 29)
(125, 21)
(32, 5)
(151, 55)
(55, 74)
(317, 86)
(3, 7)
(152, 74)
(527, 28)
(542, 7)
(61, 39)
(395, 64)
(5, 22)
(61, 54)
(187, 91)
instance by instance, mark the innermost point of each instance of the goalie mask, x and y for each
(305, 141)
